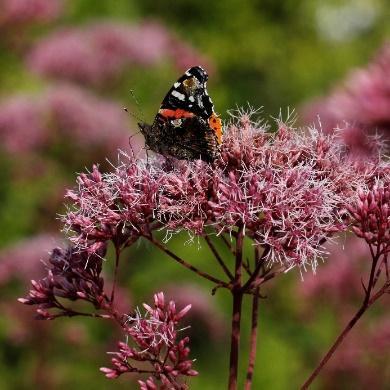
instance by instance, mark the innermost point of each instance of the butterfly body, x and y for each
(186, 126)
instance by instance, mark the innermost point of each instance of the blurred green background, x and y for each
(270, 54)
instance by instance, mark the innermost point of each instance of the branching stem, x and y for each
(367, 302)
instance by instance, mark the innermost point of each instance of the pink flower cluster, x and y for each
(289, 191)
(65, 112)
(100, 52)
(71, 275)
(371, 214)
(17, 12)
(362, 101)
(155, 336)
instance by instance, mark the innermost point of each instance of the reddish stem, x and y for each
(367, 302)
(259, 264)
(236, 315)
(117, 257)
(187, 265)
(253, 340)
(218, 257)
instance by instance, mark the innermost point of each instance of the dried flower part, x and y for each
(77, 54)
(289, 190)
(371, 214)
(71, 275)
(156, 342)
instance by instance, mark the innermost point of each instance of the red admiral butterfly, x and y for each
(186, 126)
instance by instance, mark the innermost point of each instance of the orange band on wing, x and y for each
(177, 114)
(215, 123)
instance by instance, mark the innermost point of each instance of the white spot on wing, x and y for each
(178, 95)
(187, 73)
(191, 99)
(176, 85)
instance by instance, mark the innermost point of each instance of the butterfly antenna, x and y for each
(138, 116)
(140, 112)
(133, 115)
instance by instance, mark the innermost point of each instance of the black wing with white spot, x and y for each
(189, 93)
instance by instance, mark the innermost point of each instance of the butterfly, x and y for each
(186, 126)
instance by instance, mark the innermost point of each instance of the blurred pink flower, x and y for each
(30, 124)
(363, 360)
(22, 124)
(77, 54)
(362, 101)
(338, 280)
(17, 12)
(90, 120)
(208, 318)
(22, 260)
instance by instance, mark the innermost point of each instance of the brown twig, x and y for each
(228, 244)
(236, 314)
(255, 273)
(189, 266)
(218, 257)
(253, 336)
(117, 258)
(367, 302)
(253, 340)
(247, 267)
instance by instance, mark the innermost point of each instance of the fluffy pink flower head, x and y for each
(288, 190)
(155, 336)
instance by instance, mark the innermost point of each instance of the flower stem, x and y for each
(218, 257)
(253, 340)
(259, 264)
(117, 257)
(236, 314)
(367, 302)
(185, 264)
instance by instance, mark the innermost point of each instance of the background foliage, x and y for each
(274, 54)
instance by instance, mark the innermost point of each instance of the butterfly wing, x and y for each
(188, 96)
(186, 126)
